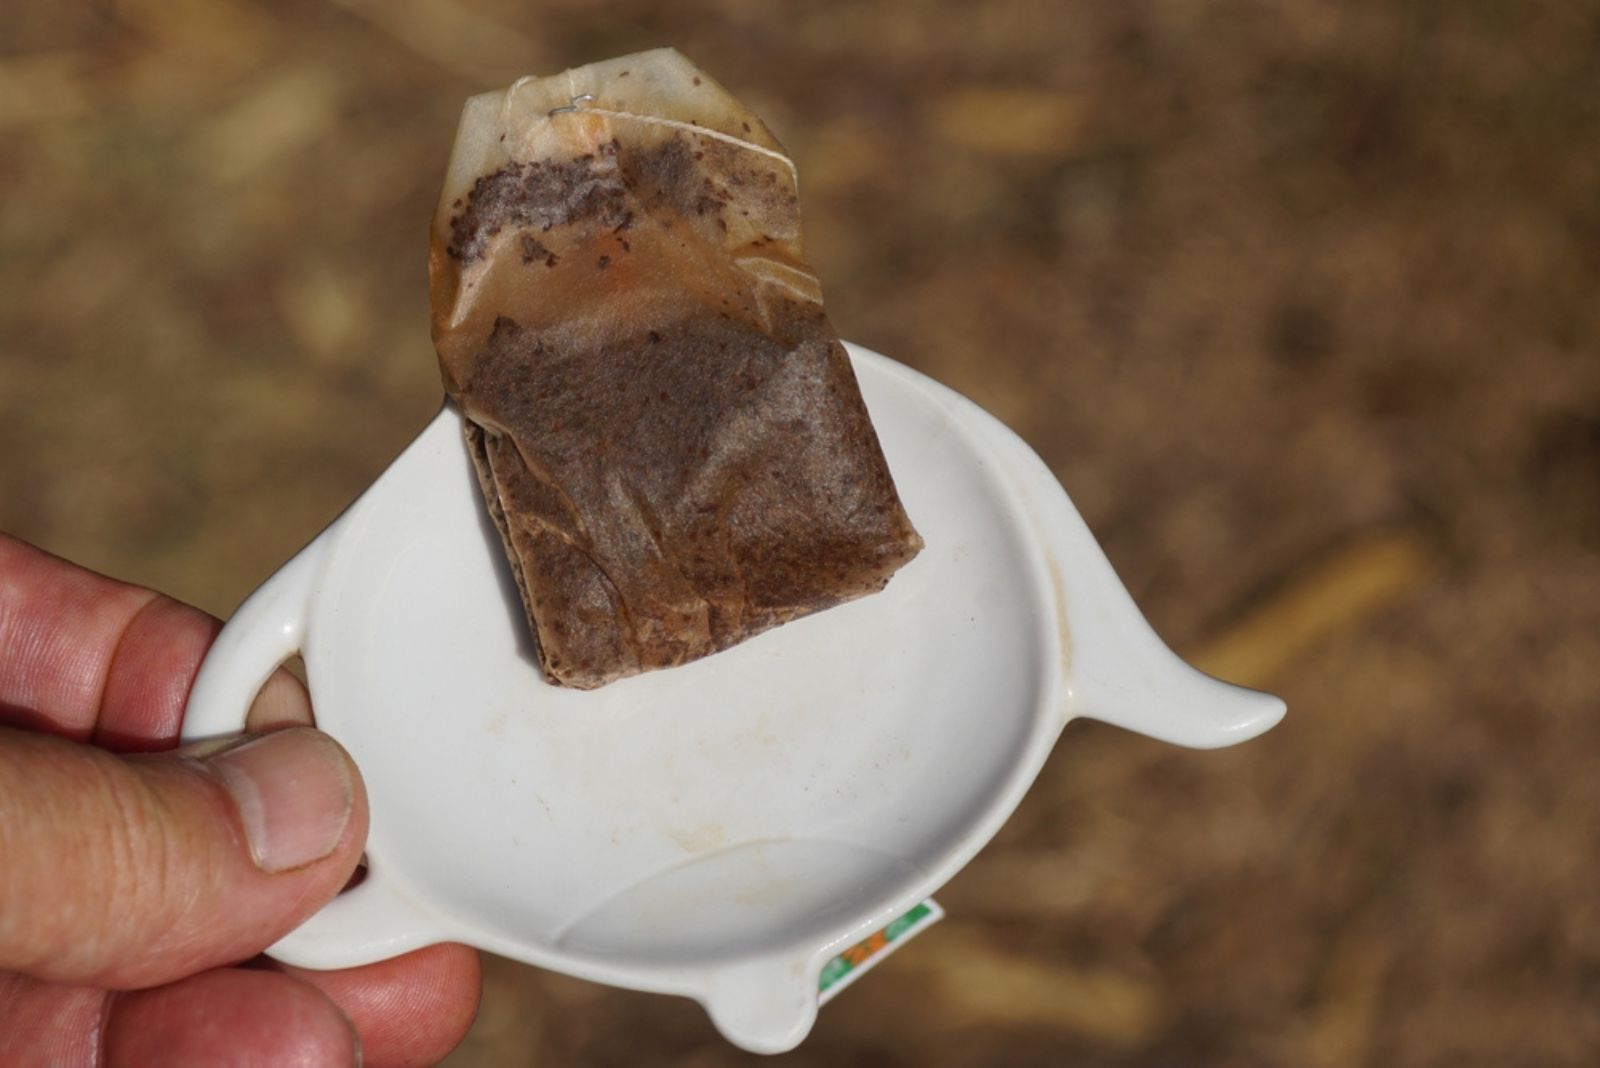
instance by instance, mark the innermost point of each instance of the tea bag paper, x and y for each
(667, 432)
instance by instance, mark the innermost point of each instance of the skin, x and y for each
(131, 913)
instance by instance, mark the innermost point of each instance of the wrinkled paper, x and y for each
(666, 429)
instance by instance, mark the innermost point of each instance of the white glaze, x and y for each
(717, 830)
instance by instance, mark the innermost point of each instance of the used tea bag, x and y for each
(667, 431)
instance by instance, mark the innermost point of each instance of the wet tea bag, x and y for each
(667, 431)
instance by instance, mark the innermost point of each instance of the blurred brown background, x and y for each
(1299, 300)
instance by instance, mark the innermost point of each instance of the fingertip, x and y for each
(295, 792)
(229, 1016)
(410, 1010)
(152, 668)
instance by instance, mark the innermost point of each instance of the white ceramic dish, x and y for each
(717, 830)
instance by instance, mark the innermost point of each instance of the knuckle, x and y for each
(132, 858)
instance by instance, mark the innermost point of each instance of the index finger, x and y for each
(93, 659)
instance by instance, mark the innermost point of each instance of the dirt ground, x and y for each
(1301, 302)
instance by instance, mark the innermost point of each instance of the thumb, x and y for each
(127, 872)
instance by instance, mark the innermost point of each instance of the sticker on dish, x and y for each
(850, 965)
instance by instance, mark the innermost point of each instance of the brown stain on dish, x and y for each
(700, 839)
(1058, 588)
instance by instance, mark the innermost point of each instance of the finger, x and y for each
(47, 1023)
(134, 871)
(151, 670)
(229, 1016)
(84, 656)
(73, 642)
(409, 1010)
(282, 702)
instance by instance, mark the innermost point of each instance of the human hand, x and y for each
(136, 889)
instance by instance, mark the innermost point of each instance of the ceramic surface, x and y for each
(721, 829)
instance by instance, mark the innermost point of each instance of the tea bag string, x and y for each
(581, 102)
(689, 127)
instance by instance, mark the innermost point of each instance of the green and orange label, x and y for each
(848, 966)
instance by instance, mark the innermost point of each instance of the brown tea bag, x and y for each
(667, 431)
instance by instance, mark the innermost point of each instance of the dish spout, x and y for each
(1119, 671)
(1112, 666)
